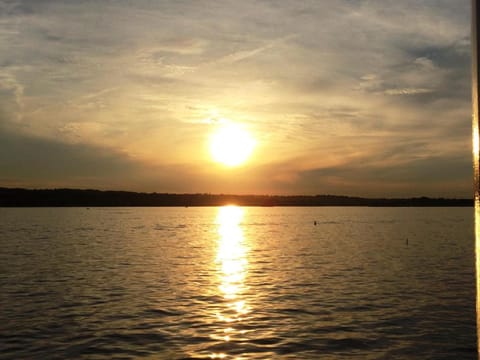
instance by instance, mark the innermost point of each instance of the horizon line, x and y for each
(241, 195)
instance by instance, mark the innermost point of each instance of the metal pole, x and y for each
(476, 148)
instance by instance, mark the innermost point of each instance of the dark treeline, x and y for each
(10, 197)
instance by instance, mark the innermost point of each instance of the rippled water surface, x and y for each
(237, 283)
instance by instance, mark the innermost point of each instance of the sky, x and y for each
(363, 98)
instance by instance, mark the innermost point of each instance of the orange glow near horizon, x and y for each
(231, 145)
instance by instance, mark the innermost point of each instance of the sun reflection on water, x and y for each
(232, 266)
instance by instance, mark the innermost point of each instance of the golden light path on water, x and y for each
(232, 268)
(475, 41)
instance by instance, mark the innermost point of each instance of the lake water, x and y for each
(237, 283)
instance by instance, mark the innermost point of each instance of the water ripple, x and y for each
(261, 283)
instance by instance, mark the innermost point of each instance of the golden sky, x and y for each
(368, 98)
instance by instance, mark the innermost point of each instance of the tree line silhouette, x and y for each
(17, 197)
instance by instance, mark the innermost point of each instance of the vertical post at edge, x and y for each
(476, 152)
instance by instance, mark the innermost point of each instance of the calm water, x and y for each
(237, 283)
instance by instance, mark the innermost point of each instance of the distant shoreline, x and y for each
(18, 197)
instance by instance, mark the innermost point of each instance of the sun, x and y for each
(231, 145)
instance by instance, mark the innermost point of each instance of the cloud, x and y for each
(322, 84)
(357, 177)
(11, 89)
(34, 159)
(407, 91)
(245, 54)
(183, 46)
(37, 162)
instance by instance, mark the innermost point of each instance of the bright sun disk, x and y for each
(231, 145)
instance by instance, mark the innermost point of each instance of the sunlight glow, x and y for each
(232, 269)
(476, 141)
(218, 356)
(231, 145)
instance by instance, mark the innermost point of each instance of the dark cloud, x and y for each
(25, 157)
(455, 60)
(456, 55)
(19, 7)
(431, 176)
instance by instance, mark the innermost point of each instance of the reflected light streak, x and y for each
(477, 266)
(232, 268)
(477, 227)
(476, 178)
(218, 356)
(475, 39)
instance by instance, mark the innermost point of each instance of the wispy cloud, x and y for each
(322, 84)
(245, 54)
(11, 89)
(407, 91)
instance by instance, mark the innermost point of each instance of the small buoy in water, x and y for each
(315, 223)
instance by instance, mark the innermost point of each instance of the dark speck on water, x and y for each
(237, 283)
